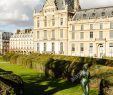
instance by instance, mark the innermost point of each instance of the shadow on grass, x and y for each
(39, 85)
(44, 86)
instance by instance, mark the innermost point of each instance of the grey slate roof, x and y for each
(94, 13)
(59, 4)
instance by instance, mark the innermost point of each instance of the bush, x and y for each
(55, 65)
(11, 84)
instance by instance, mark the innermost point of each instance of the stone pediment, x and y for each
(49, 3)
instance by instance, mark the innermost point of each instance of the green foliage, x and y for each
(10, 83)
(58, 66)
(8, 56)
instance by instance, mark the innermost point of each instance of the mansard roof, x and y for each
(94, 13)
(49, 3)
(60, 4)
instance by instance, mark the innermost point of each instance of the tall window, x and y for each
(73, 47)
(61, 21)
(111, 49)
(73, 27)
(38, 22)
(91, 35)
(81, 35)
(53, 20)
(100, 34)
(91, 26)
(45, 34)
(82, 27)
(73, 35)
(81, 47)
(37, 34)
(44, 46)
(45, 23)
(91, 47)
(61, 46)
(53, 34)
(53, 47)
(111, 25)
(111, 34)
(84, 16)
(61, 33)
(101, 25)
(38, 47)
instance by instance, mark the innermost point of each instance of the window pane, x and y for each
(45, 34)
(91, 34)
(111, 25)
(53, 20)
(53, 34)
(61, 46)
(100, 34)
(73, 35)
(111, 34)
(81, 35)
(38, 22)
(73, 47)
(44, 46)
(91, 47)
(110, 44)
(61, 33)
(82, 27)
(73, 27)
(61, 21)
(53, 47)
(81, 47)
(101, 25)
(37, 34)
(37, 46)
(45, 23)
(91, 26)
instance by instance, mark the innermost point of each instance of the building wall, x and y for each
(87, 33)
(102, 43)
(22, 41)
(49, 15)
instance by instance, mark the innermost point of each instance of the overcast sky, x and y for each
(17, 14)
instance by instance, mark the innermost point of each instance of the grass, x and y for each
(36, 85)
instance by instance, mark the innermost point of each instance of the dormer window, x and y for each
(84, 15)
(93, 14)
(112, 12)
(103, 13)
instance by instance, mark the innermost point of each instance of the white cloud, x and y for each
(18, 12)
(86, 4)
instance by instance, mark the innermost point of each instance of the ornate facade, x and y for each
(22, 41)
(51, 26)
(91, 33)
(62, 27)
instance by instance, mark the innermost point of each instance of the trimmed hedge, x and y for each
(58, 66)
(11, 84)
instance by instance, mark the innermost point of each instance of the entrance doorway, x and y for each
(100, 50)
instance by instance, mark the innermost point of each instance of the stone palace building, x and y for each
(22, 41)
(62, 27)
(51, 26)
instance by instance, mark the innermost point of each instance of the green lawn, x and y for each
(36, 85)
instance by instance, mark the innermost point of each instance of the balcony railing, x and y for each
(100, 39)
(52, 38)
(61, 52)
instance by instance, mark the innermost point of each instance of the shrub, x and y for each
(11, 84)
